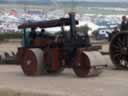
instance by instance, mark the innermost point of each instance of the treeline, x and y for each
(12, 35)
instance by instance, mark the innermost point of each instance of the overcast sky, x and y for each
(74, 0)
(98, 0)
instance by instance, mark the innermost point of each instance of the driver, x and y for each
(32, 34)
(43, 34)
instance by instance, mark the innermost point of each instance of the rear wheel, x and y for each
(119, 50)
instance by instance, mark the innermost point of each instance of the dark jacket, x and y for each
(124, 26)
(32, 35)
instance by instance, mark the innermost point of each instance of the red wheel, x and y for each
(83, 65)
(53, 61)
(87, 64)
(32, 63)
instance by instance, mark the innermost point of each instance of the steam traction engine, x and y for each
(119, 50)
(65, 50)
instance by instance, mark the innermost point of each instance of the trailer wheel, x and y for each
(32, 64)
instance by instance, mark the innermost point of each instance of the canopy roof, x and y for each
(47, 24)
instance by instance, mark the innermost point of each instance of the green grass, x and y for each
(14, 35)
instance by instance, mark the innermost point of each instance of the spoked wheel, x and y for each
(32, 64)
(88, 64)
(119, 50)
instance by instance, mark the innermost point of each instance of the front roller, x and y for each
(119, 50)
(88, 63)
(32, 64)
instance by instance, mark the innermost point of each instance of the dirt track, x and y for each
(109, 83)
(9, 46)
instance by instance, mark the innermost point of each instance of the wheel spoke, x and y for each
(124, 41)
(120, 57)
(120, 42)
(127, 41)
(116, 51)
(116, 46)
(116, 56)
(126, 61)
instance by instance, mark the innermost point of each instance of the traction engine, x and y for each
(51, 54)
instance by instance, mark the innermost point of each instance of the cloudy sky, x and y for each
(73, 0)
(99, 0)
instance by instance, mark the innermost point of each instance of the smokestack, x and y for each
(72, 25)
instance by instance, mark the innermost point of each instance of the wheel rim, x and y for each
(29, 68)
(119, 50)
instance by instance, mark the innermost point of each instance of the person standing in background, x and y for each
(124, 24)
(113, 33)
